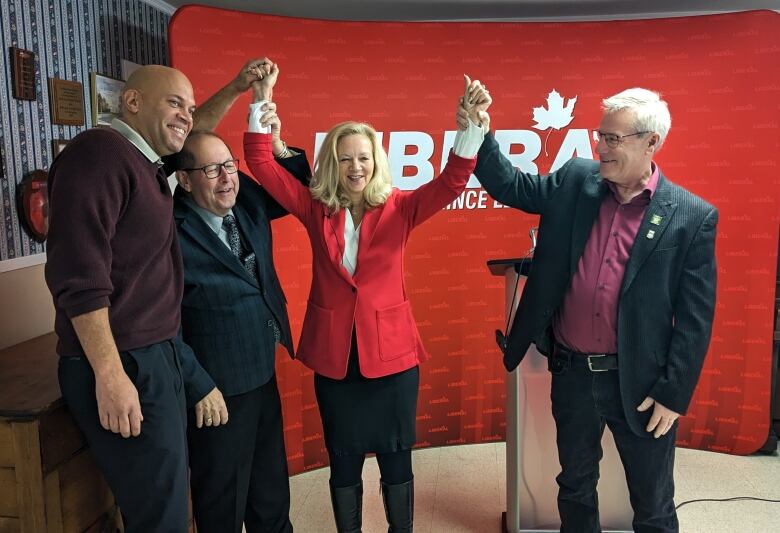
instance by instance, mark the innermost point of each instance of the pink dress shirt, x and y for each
(586, 321)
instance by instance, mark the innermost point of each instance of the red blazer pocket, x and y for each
(395, 329)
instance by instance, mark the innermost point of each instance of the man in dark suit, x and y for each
(620, 299)
(233, 316)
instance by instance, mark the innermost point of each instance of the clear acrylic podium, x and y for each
(531, 453)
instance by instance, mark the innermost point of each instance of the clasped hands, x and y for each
(473, 105)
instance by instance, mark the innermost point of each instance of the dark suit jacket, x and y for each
(225, 312)
(667, 298)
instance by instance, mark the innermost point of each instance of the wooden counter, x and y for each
(48, 480)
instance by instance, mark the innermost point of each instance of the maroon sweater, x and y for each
(112, 242)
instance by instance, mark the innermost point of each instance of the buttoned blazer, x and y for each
(226, 311)
(374, 300)
(667, 297)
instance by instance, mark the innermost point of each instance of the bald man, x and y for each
(115, 273)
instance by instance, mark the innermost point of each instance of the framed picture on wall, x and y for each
(128, 67)
(57, 145)
(106, 93)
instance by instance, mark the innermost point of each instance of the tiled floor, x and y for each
(462, 489)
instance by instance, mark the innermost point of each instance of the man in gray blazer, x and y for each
(234, 314)
(620, 299)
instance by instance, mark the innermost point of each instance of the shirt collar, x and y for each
(135, 138)
(653, 183)
(650, 186)
(212, 220)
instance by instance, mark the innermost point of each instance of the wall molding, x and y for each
(22, 262)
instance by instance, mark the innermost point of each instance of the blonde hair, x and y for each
(325, 186)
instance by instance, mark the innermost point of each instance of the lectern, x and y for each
(531, 453)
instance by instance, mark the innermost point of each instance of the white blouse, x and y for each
(351, 238)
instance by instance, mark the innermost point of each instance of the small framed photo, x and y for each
(106, 97)
(128, 67)
(57, 145)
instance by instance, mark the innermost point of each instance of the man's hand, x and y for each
(254, 74)
(266, 74)
(249, 74)
(662, 418)
(211, 410)
(118, 406)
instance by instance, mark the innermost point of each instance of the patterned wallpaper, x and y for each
(70, 39)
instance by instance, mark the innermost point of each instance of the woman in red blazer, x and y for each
(359, 335)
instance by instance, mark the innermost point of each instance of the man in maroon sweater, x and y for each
(115, 272)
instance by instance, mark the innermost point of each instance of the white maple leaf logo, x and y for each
(555, 115)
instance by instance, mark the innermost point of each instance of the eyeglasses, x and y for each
(215, 169)
(612, 140)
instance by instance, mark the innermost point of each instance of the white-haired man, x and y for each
(620, 299)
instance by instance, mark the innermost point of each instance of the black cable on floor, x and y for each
(735, 499)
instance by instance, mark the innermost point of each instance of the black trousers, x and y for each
(239, 470)
(582, 403)
(148, 473)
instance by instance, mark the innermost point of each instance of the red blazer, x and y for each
(374, 300)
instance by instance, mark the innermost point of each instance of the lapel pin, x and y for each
(651, 234)
(656, 220)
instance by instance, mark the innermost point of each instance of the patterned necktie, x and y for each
(234, 238)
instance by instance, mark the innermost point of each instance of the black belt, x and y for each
(597, 362)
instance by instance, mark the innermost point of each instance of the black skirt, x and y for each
(361, 415)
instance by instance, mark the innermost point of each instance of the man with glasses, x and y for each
(620, 299)
(233, 316)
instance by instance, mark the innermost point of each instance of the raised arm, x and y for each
(495, 172)
(209, 114)
(262, 143)
(430, 198)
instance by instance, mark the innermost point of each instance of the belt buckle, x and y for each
(590, 363)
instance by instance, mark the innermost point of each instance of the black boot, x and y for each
(347, 507)
(399, 506)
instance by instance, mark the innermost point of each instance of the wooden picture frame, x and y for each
(23, 73)
(106, 98)
(66, 102)
(57, 146)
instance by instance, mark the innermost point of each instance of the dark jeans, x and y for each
(582, 403)
(148, 473)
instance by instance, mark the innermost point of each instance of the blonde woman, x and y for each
(359, 335)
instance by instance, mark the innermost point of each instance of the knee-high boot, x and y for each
(399, 506)
(348, 507)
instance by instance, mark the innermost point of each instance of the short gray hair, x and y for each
(652, 113)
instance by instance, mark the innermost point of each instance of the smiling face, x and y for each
(356, 165)
(217, 195)
(159, 104)
(629, 162)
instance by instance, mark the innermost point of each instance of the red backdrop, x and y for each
(720, 77)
